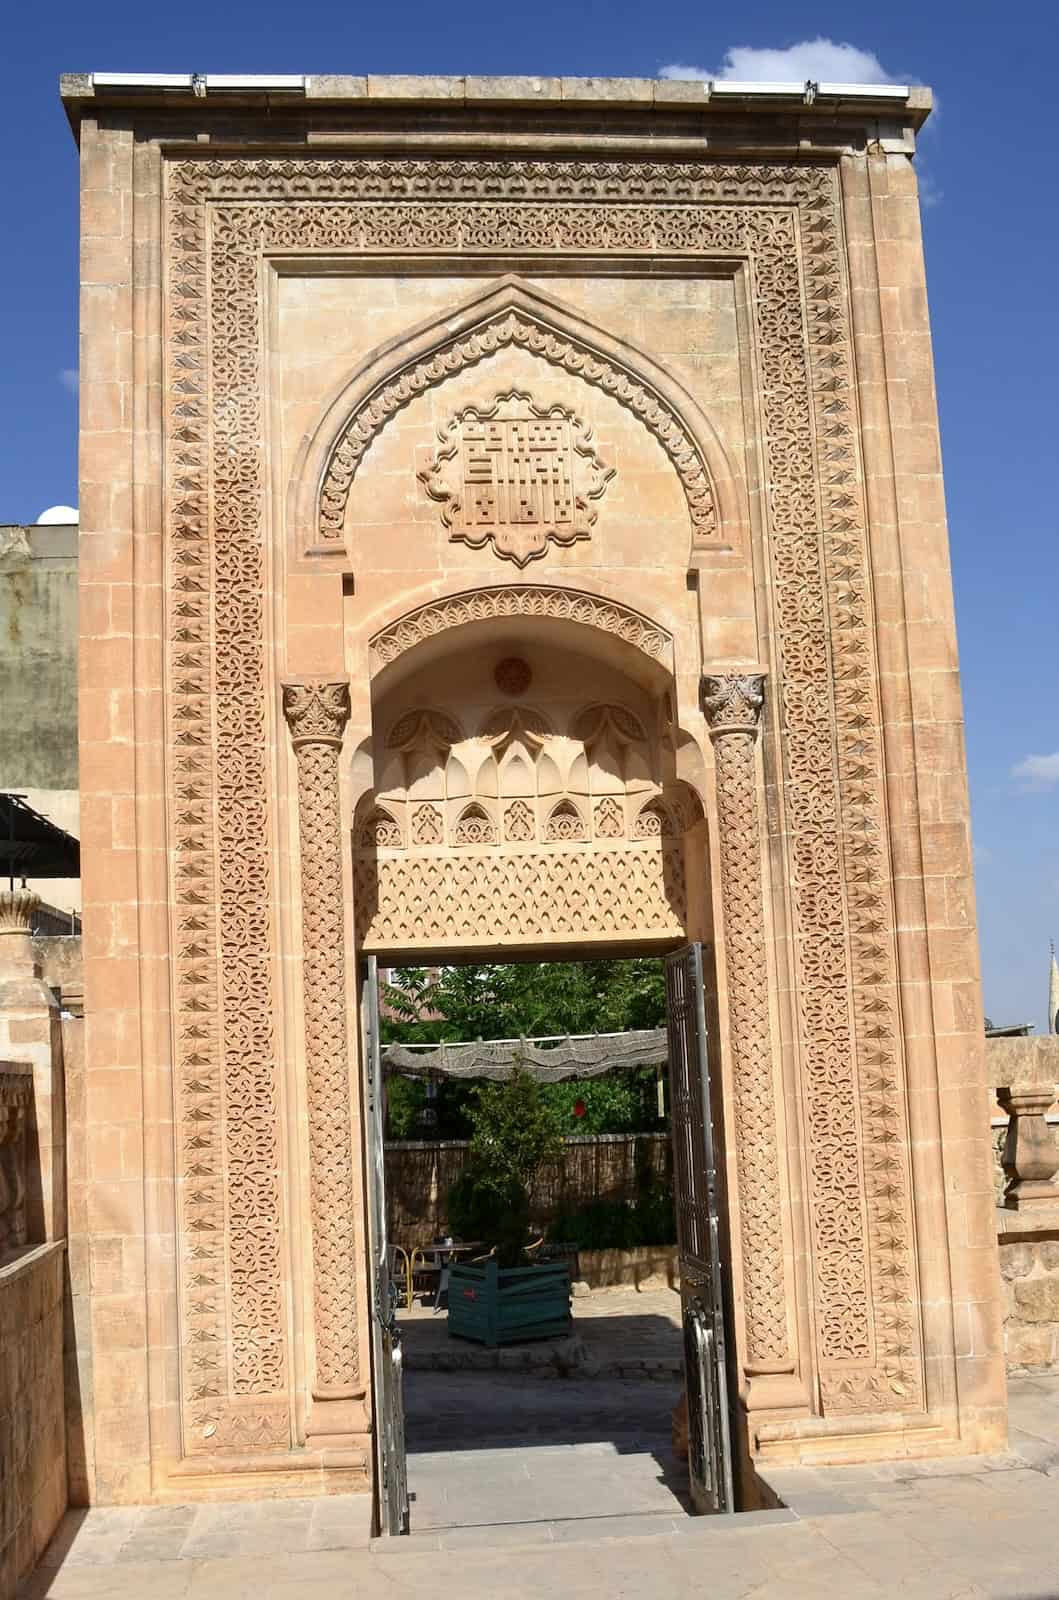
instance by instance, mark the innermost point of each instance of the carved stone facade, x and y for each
(673, 382)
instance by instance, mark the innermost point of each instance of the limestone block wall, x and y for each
(1029, 1267)
(32, 1427)
(1025, 1164)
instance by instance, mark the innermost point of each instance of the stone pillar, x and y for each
(317, 713)
(731, 704)
(31, 1032)
(1030, 1155)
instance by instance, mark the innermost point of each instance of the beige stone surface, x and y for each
(33, 1492)
(977, 1530)
(335, 395)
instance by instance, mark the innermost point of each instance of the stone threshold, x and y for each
(533, 1535)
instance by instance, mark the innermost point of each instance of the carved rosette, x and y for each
(731, 704)
(317, 714)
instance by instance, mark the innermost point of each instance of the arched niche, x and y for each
(559, 844)
(509, 313)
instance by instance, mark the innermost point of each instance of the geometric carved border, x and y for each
(519, 600)
(783, 222)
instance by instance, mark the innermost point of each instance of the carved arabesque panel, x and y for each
(530, 896)
(784, 220)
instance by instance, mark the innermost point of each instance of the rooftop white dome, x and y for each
(57, 516)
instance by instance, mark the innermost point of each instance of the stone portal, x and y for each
(518, 549)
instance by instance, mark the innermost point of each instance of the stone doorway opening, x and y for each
(559, 1428)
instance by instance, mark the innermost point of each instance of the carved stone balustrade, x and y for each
(1031, 1155)
(16, 1102)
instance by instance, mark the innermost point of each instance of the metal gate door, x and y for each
(701, 1277)
(391, 1477)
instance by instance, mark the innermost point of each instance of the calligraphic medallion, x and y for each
(517, 474)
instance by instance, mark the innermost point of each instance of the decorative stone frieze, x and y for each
(732, 704)
(317, 713)
(516, 600)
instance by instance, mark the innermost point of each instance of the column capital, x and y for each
(316, 710)
(731, 701)
(16, 910)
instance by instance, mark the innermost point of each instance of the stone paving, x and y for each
(623, 1333)
(982, 1529)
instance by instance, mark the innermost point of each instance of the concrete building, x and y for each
(38, 681)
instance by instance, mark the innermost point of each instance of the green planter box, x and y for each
(494, 1305)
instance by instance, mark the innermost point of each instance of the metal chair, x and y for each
(401, 1275)
(420, 1269)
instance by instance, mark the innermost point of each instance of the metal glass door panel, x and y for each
(698, 1237)
(391, 1475)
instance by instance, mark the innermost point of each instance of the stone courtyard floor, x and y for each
(600, 1514)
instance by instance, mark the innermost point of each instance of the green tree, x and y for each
(515, 1131)
(528, 999)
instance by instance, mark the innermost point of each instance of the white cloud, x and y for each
(929, 193)
(69, 379)
(692, 74)
(1038, 772)
(821, 60)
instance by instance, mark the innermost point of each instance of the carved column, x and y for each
(317, 713)
(732, 705)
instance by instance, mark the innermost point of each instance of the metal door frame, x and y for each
(703, 1287)
(390, 1485)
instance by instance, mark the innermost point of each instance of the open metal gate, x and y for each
(391, 1476)
(698, 1242)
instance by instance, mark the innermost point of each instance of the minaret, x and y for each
(1053, 995)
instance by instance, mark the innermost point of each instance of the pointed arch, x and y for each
(565, 824)
(500, 315)
(377, 828)
(474, 825)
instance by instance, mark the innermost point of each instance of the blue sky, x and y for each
(989, 159)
